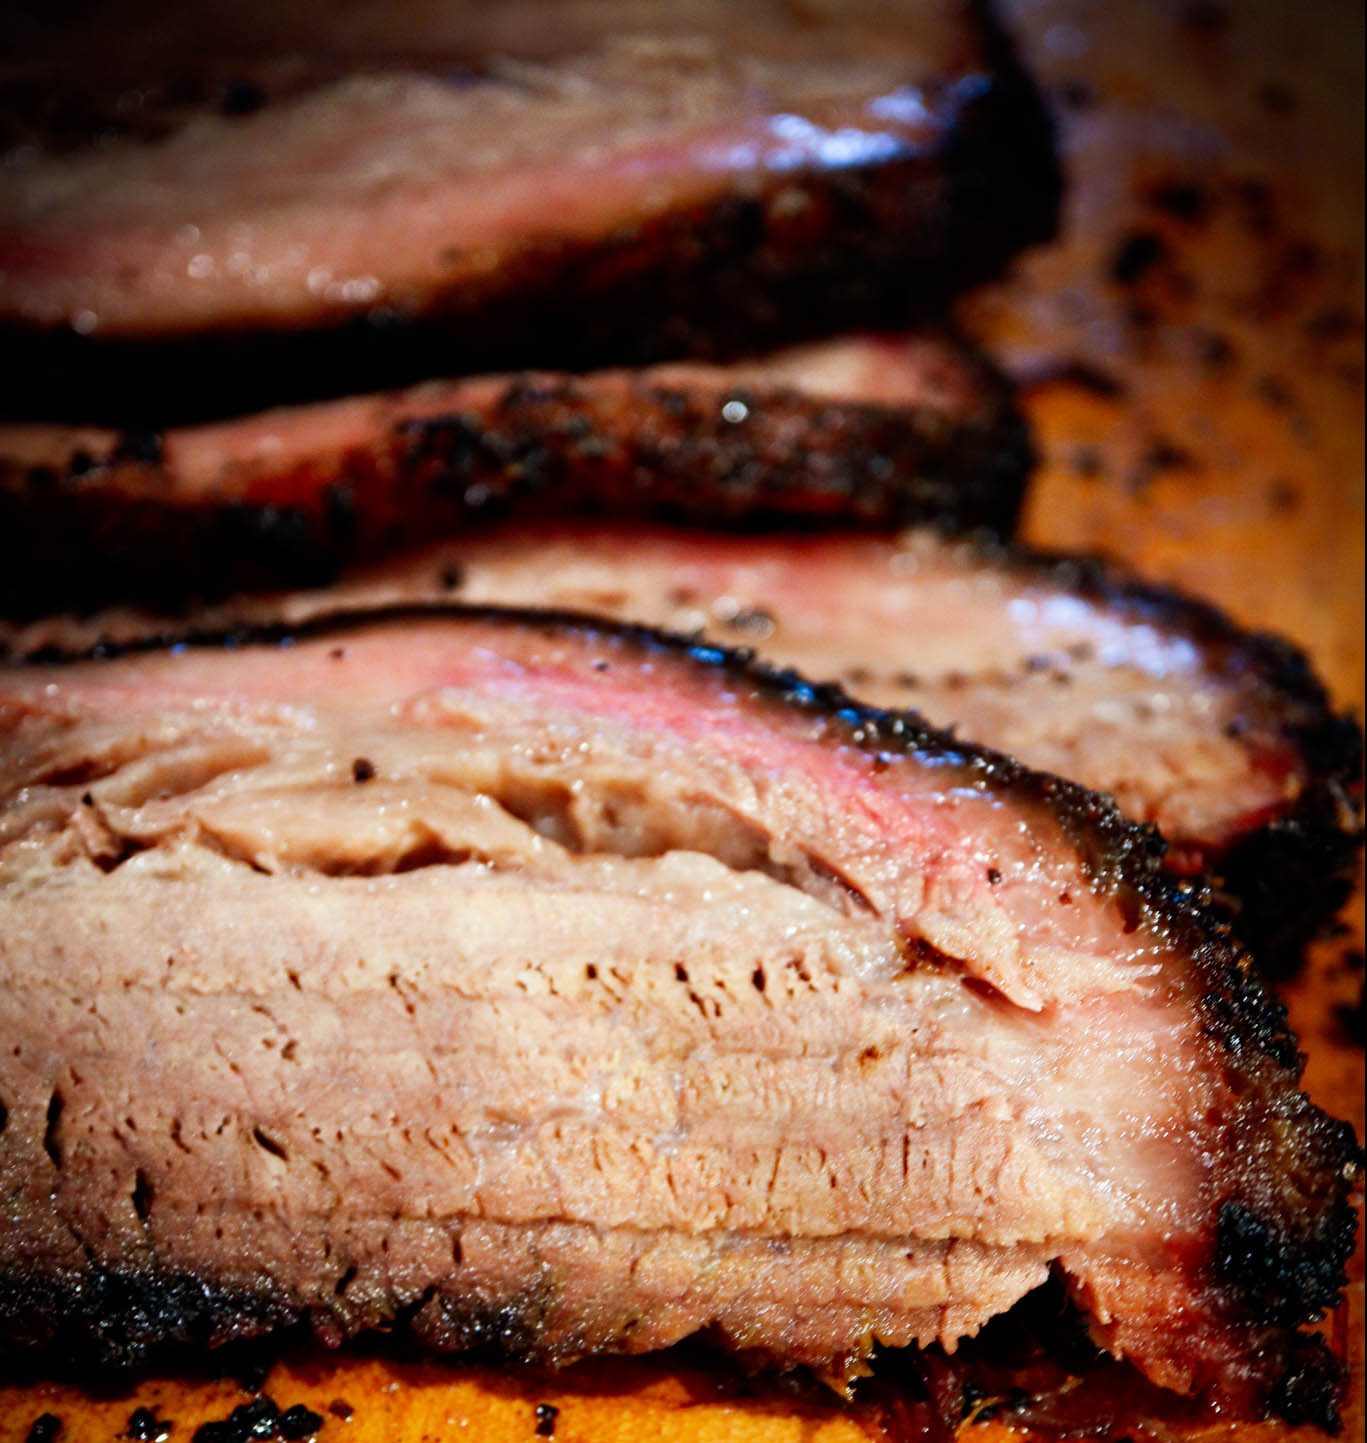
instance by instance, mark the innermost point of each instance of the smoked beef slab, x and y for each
(1224, 739)
(874, 430)
(547, 986)
(209, 210)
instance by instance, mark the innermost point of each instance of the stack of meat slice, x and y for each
(412, 912)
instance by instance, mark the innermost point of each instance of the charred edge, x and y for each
(1282, 1244)
(1288, 878)
(1263, 1240)
(109, 1322)
(727, 277)
(661, 454)
(1030, 188)
(481, 1331)
(677, 459)
(1284, 1232)
(1310, 1385)
(114, 1321)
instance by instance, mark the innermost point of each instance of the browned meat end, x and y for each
(561, 988)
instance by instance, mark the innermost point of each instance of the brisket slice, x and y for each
(869, 429)
(552, 986)
(1225, 740)
(488, 187)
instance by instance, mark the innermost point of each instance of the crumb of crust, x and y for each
(1135, 255)
(1183, 200)
(258, 1419)
(145, 1427)
(299, 1421)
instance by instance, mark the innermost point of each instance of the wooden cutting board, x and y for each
(1192, 354)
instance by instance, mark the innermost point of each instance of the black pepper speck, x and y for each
(1136, 254)
(145, 1427)
(1184, 200)
(258, 1419)
(241, 97)
(1087, 462)
(299, 1422)
(138, 446)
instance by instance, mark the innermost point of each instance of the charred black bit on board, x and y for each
(47, 1428)
(145, 1427)
(259, 1419)
(299, 1421)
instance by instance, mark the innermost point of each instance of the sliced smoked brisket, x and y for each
(207, 211)
(863, 430)
(1224, 739)
(548, 987)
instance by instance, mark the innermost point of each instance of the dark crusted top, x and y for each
(115, 524)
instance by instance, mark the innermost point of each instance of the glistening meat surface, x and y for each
(870, 429)
(1225, 740)
(556, 987)
(435, 187)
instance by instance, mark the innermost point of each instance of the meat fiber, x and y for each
(342, 202)
(551, 987)
(865, 429)
(1223, 739)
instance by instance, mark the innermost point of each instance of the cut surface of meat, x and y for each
(1224, 740)
(867, 429)
(551, 987)
(432, 187)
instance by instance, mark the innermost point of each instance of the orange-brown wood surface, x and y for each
(1192, 357)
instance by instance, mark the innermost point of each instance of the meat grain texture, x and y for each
(551, 987)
